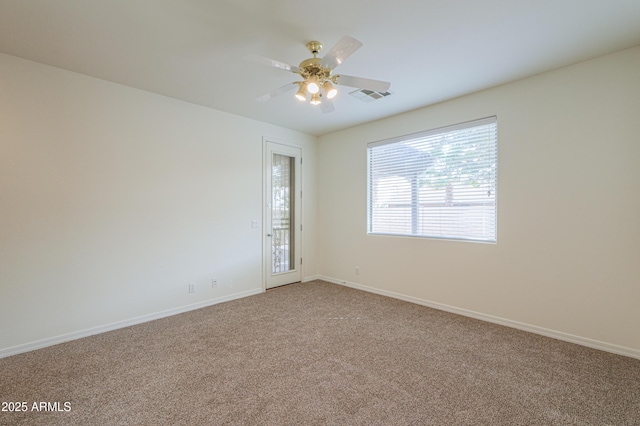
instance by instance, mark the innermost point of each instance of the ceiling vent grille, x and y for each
(368, 95)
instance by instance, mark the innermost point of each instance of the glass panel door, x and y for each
(282, 196)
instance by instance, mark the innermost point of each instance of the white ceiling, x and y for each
(430, 50)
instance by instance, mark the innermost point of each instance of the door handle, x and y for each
(269, 235)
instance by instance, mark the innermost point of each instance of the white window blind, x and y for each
(440, 183)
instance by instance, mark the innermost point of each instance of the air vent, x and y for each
(368, 95)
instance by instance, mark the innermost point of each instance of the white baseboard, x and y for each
(39, 344)
(608, 347)
(311, 278)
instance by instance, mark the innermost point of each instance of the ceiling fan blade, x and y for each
(363, 83)
(276, 92)
(327, 106)
(274, 63)
(340, 51)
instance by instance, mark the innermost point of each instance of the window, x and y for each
(440, 183)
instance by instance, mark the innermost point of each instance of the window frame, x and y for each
(487, 121)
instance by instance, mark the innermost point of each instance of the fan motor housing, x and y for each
(311, 62)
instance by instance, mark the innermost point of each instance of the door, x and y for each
(282, 214)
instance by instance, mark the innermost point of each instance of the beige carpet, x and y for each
(316, 354)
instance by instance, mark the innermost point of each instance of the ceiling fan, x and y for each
(318, 78)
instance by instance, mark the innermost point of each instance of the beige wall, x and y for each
(567, 260)
(113, 199)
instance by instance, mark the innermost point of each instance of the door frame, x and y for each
(272, 146)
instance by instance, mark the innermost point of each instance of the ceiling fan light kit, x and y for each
(329, 90)
(315, 99)
(317, 77)
(301, 94)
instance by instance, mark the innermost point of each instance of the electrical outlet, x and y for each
(214, 283)
(357, 270)
(192, 287)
